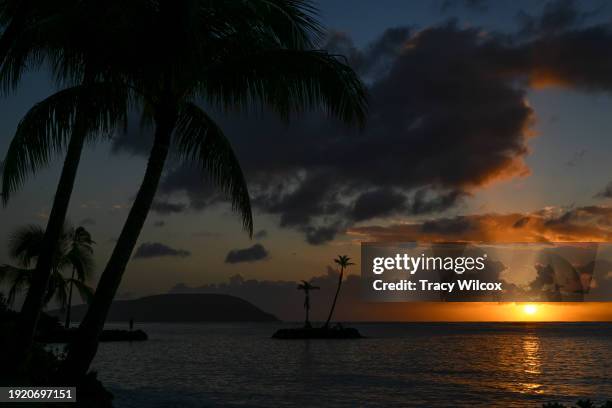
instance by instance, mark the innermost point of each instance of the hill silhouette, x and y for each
(201, 307)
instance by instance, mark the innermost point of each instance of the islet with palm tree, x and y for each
(326, 331)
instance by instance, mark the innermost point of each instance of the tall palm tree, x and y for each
(344, 262)
(58, 33)
(307, 287)
(229, 55)
(80, 243)
(73, 252)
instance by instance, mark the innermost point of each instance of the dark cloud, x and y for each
(556, 16)
(576, 159)
(167, 208)
(378, 203)
(85, 222)
(283, 300)
(252, 254)
(159, 224)
(606, 192)
(261, 234)
(157, 250)
(424, 204)
(448, 116)
(321, 235)
(582, 224)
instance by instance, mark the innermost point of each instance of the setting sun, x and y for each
(530, 309)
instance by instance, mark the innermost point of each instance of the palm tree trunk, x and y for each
(67, 326)
(307, 307)
(34, 300)
(82, 351)
(331, 311)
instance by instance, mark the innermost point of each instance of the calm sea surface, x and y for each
(398, 365)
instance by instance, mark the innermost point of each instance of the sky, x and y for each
(489, 121)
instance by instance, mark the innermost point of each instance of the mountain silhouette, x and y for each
(202, 307)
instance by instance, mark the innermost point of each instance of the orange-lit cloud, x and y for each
(586, 224)
(547, 78)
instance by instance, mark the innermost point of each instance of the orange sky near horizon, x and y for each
(485, 312)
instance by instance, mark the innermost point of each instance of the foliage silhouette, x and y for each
(73, 252)
(307, 287)
(63, 34)
(344, 262)
(231, 56)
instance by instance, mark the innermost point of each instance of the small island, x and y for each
(326, 331)
(168, 308)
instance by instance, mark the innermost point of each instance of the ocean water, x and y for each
(398, 365)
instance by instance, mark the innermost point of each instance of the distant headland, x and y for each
(181, 308)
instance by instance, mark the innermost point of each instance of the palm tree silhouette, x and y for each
(231, 55)
(58, 33)
(344, 262)
(17, 19)
(73, 252)
(307, 287)
(79, 255)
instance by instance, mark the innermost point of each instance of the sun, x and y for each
(530, 309)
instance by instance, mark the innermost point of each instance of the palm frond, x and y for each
(25, 244)
(12, 274)
(201, 141)
(287, 81)
(85, 292)
(293, 22)
(45, 130)
(343, 261)
(21, 279)
(81, 260)
(58, 289)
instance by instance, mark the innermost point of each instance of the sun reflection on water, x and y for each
(532, 364)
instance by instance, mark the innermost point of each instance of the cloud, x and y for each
(157, 250)
(606, 192)
(261, 234)
(167, 208)
(448, 116)
(556, 16)
(159, 224)
(87, 222)
(282, 298)
(582, 224)
(378, 203)
(252, 254)
(576, 159)
(321, 235)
